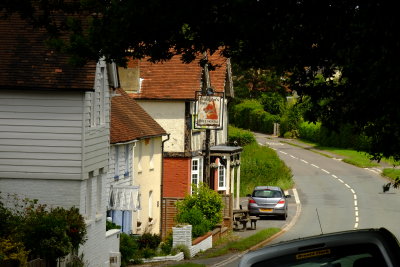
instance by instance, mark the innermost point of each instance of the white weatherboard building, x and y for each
(54, 133)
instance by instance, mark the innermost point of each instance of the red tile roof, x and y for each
(26, 62)
(129, 121)
(176, 80)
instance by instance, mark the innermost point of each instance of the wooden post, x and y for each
(206, 84)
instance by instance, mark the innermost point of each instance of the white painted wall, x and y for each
(171, 116)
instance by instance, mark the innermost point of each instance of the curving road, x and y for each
(335, 195)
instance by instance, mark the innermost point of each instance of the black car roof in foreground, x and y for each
(380, 237)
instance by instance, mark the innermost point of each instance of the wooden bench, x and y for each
(253, 221)
(244, 222)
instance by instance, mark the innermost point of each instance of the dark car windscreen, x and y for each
(345, 256)
(267, 193)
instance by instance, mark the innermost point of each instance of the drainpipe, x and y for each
(161, 185)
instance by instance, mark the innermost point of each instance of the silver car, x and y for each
(268, 200)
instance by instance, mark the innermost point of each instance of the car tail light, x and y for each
(251, 201)
(280, 204)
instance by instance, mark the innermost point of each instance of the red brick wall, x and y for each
(176, 181)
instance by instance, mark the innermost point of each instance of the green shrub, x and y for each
(194, 217)
(111, 225)
(239, 137)
(147, 253)
(182, 248)
(208, 201)
(129, 249)
(166, 246)
(241, 113)
(344, 137)
(13, 251)
(292, 134)
(148, 240)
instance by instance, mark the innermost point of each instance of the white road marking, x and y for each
(374, 170)
(296, 196)
(334, 176)
(273, 144)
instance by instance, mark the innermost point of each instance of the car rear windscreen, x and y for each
(267, 193)
(344, 256)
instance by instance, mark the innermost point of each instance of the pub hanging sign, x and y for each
(209, 111)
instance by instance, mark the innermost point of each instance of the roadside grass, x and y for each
(261, 165)
(245, 243)
(357, 158)
(391, 173)
(354, 157)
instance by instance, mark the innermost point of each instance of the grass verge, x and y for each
(391, 173)
(261, 166)
(245, 243)
(357, 158)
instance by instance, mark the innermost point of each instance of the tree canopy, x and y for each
(310, 40)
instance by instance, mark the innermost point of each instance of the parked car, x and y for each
(268, 200)
(353, 248)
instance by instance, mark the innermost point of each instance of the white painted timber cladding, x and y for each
(41, 134)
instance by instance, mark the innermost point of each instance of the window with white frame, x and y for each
(221, 176)
(197, 171)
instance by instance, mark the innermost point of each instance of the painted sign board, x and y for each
(209, 111)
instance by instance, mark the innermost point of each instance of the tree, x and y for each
(307, 38)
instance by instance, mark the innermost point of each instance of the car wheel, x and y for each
(284, 216)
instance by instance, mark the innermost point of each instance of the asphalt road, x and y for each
(333, 195)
